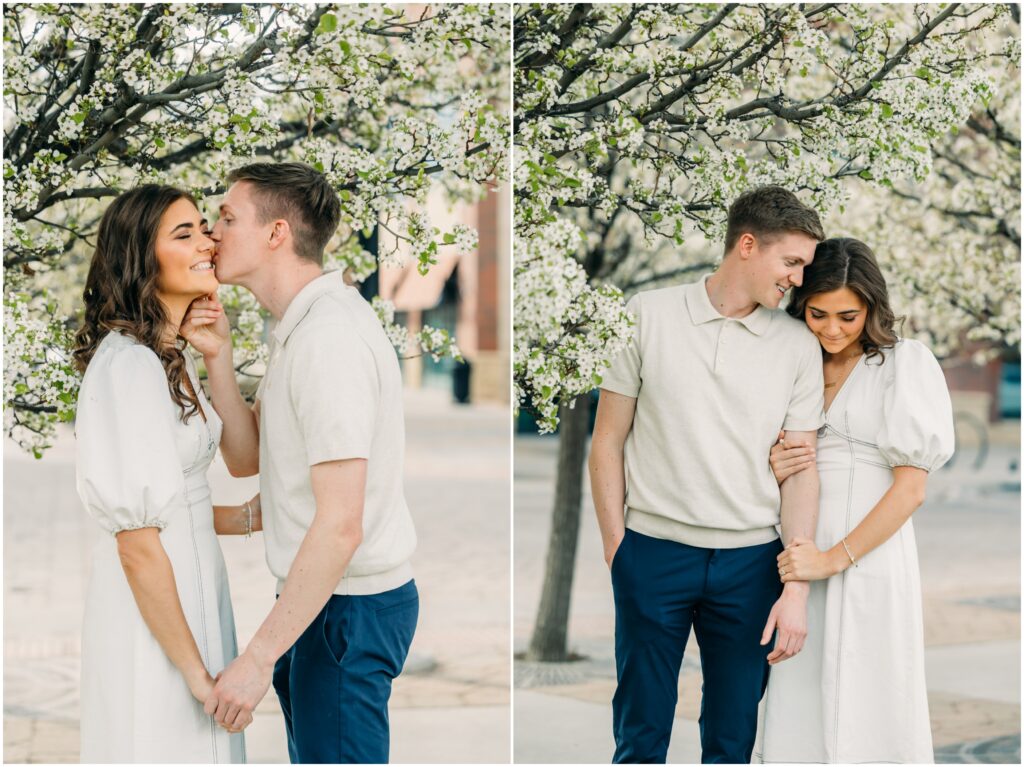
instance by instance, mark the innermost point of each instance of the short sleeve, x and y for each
(806, 410)
(623, 375)
(917, 428)
(128, 473)
(335, 391)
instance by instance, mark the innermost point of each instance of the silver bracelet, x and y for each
(248, 520)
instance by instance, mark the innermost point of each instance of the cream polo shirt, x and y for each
(333, 391)
(711, 393)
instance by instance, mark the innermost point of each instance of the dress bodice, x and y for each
(197, 440)
(892, 411)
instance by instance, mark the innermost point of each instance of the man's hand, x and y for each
(789, 618)
(610, 550)
(239, 689)
(205, 325)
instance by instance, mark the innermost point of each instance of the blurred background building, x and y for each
(466, 294)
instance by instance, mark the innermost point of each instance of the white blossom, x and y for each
(899, 123)
(389, 102)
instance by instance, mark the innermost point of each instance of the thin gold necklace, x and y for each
(844, 371)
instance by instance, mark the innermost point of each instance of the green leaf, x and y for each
(328, 23)
(886, 111)
(866, 175)
(572, 183)
(346, 48)
(449, 238)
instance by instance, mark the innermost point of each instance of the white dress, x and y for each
(139, 465)
(856, 693)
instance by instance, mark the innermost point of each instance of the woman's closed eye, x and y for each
(842, 318)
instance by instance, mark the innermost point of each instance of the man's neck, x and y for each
(276, 287)
(728, 293)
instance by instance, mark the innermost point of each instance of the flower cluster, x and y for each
(567, 331)
(40, 383)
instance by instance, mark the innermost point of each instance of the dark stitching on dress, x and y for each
(842, 596)
(202, 609)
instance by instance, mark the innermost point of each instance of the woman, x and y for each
(158, 621)
(857, 691)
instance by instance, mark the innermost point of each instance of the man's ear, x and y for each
(745, 245)
(279, 234)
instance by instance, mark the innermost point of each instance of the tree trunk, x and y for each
(549, 641)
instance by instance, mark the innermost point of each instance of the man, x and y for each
(326, 435)
(685, 497)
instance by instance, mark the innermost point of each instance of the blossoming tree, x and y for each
(387, 101)
(635, 126)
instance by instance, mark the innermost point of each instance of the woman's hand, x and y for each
(787, 459)
(201, 685)
(205, 325)
(802, 561)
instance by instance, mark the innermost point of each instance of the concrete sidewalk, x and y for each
(968, 535)
(457, 680)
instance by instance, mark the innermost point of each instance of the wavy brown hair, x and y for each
(843, 262)
(121, 289)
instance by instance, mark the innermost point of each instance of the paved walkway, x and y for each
(969, 537)
(452, 704)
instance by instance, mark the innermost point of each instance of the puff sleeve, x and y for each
(623, 376)
(128, 473)
(917, 427)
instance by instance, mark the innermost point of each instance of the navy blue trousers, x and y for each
(662, 588)
(335, 681)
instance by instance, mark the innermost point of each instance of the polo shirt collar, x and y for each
(702, 310)
(304, 299)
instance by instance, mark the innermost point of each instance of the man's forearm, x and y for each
(799, 511)
(608, 488)
(240, 440)
(319, 565)
(799, 514)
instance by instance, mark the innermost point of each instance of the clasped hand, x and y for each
(803, 561)
(238, 690)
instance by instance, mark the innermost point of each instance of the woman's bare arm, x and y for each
(151, 578)
(236, 520)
